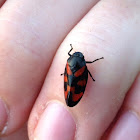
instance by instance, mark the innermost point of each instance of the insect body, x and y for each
(75, 77)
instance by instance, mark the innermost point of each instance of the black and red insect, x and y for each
(75, 77)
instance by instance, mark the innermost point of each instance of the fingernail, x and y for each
(3, 116)
(127, 128)
(56, 123)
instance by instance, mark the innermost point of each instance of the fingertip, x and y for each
(56, 123)
(127, 127)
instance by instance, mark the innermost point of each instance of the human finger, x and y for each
(127, 125)
(30, 32)
(99, 33)
(20, 134)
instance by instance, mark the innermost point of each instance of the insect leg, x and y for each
(91, 75)
(70, 50)
(94, 60)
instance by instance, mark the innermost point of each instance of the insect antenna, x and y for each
(94, 60)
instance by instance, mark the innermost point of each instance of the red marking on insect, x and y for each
(82, 83)
(79, 72)
(69, 72)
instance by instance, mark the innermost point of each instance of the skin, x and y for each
(34, 41)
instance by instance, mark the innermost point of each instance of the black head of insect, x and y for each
(76, 61)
